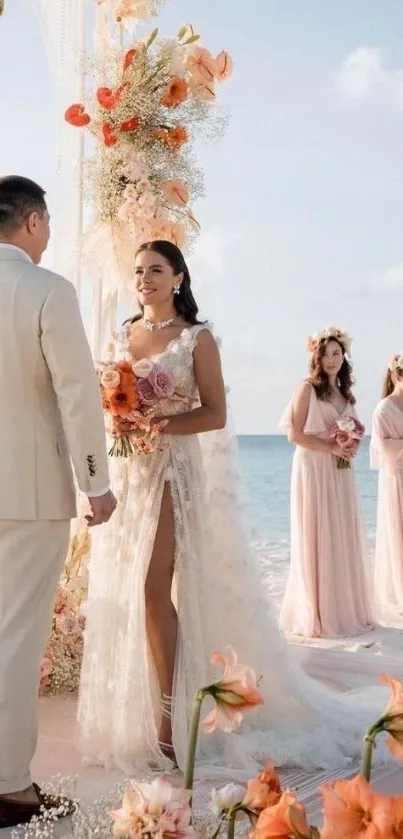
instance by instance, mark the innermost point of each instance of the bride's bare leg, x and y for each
(161, 617)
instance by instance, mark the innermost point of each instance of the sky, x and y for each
(303, 207)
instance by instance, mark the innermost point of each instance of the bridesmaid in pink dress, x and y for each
(387, 456)
(327, 593)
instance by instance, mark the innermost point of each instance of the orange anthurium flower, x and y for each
(129, 58)
(225, 66)
(110, 138)
(108, 99)
(131, 124)
(76, 115)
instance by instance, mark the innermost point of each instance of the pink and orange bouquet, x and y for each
(131, 396)
(345, 432)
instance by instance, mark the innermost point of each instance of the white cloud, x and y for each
(364, 75)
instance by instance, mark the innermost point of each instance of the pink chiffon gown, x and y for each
(328, 591)
(387, 456)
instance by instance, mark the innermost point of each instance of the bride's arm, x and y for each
(296, 434)
(212, 413)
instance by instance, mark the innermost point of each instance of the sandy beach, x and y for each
(345, 664)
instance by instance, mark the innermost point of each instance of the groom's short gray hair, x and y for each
(19, 197)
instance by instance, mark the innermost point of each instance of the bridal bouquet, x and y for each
(344, 432)
(131, 394)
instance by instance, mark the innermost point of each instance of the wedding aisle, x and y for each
(57, 756)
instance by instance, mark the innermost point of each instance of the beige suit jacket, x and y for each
(50, 408)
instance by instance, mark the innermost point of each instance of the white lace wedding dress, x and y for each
(220, 600)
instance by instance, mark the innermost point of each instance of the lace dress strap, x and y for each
(190, 335)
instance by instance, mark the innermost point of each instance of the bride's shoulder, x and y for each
(201, 336)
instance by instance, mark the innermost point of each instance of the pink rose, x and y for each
(161, 382)
(342, 438)
(145, 391)
(359, 429)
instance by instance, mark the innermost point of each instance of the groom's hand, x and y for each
(102, 508)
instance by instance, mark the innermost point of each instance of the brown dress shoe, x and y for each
(13, 813)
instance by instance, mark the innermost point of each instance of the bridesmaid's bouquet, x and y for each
(344, 432)
(130, 396)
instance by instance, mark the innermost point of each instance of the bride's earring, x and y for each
(177, 289)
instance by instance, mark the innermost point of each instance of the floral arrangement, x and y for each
(61, 665)
(351, 808)
(144, 118)
(132, 395)
(347, 431)
(330, 332)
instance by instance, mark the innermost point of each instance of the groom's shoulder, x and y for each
(49, 280)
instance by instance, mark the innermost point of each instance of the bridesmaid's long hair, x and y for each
(184, 302)
(388, 383)
(320, 380)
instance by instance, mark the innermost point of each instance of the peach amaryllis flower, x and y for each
(391, 721)
(176, 92)
(353, 810)
(392, 717)
(263, 791)
(396, 823)
(173, 137)
(284, 820)
(234, 692)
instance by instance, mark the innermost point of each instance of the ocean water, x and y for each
(266, 471)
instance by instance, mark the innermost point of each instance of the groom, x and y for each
(50, 413)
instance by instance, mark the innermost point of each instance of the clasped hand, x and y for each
(347, 451)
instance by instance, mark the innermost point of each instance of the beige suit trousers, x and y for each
(32, 554)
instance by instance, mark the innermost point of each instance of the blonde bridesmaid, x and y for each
(327, 593)
(387, 456)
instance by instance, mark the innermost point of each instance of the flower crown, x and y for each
(330, 332)
(396, 363)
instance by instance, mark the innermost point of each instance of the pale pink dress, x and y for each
(328, 591)
(387, 456)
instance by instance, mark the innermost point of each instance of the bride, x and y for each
(172, 579)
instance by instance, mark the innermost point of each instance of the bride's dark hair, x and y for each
(184, 302)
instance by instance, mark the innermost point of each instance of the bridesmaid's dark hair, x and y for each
(320, 380)
(184, 302)
(388, 383)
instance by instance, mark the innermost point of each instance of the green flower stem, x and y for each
(193, 738)
(231, 824)
(369, 744)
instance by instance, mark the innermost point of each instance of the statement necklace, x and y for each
(155, 327)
